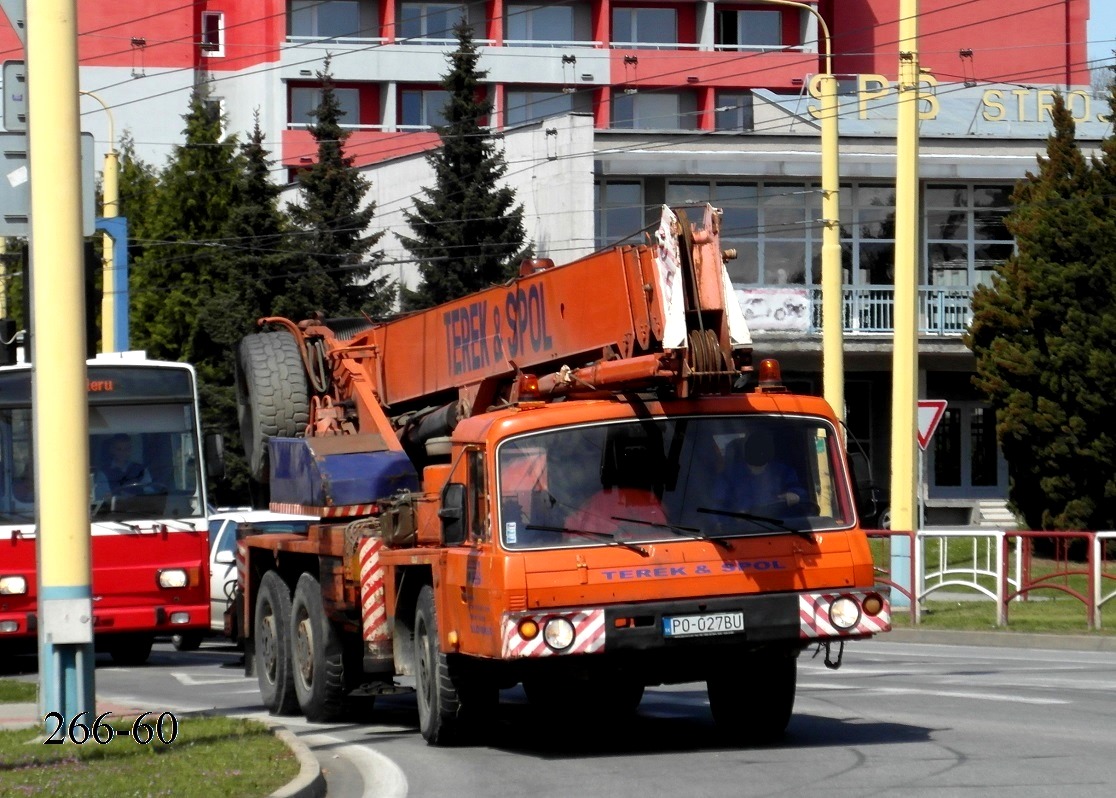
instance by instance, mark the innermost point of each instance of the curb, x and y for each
(1006, 639)
(309, 783)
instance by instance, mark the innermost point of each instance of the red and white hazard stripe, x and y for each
(373, 610)
(589, 634)
(340, 511)
(814, 621)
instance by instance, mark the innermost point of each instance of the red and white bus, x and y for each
(148, 525)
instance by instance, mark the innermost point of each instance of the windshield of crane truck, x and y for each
(670, 478)
(143, 452)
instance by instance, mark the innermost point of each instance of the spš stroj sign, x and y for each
(876, 92)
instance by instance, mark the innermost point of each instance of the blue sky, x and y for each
(1102, 26)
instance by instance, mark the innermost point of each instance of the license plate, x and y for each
(712, 623)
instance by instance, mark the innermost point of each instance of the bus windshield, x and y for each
(143, 458)
(671, 478)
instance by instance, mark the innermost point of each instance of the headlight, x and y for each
(172, 578)
(12, 585)
(844, 613)
(558, 633)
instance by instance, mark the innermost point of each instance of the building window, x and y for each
(653, 110)
(619, 215)
(966, 237)
(538, 26)
(212, 34)
(215, 111)
(422, 108)
(306, 99)
(734, 111)
(644, 27)
(331, 19)
(429, 23)
(738, 30)
(529, 105)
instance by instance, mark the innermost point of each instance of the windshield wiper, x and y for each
(776, 524)
(608, 537)
(693, 531)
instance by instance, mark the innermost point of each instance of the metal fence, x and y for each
(998, 566)
(871, 309)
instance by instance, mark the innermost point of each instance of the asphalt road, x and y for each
(898, 718)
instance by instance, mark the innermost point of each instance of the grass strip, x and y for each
(211, 756)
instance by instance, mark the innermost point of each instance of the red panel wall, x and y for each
(1025, 41)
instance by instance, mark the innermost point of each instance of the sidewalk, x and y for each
(309, 783)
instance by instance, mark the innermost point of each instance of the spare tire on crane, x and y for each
(273, 399)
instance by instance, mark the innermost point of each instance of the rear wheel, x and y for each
(317, 654)
(272, 395)
(272, 646)
(752, 704)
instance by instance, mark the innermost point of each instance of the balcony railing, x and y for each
(942, 311)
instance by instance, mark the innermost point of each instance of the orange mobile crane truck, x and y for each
(575, 481)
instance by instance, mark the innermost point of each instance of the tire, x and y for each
(753, 704)
(130, 649)
(316, 654)
(186, 641)
(450, 704)
(272, 628)
(436, 695)
(272, 395)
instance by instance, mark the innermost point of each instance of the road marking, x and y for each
(1010, 699)
(192, 681)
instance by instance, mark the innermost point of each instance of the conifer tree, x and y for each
(468, 231)
(254, 255)
(1042, 334)
(177, 273)
(337, 266)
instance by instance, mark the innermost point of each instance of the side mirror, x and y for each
(214, 444)
(453, 514)
(224, 557)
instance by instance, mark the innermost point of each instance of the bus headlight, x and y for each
(558, 633)
(844, 613)
(172, 578)
(13, 585)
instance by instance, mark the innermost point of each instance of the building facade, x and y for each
(611, 108)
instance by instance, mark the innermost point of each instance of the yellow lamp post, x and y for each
(904, 370)
(110, 208)
(833, 334)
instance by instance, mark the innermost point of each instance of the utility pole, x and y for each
(833, 315)
(904, 370)
(58, 382)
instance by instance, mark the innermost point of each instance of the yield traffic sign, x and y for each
(930, 412)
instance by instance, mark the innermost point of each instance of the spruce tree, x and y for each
(1042, 334)
(337, 266)
(468, 231)
(254, 255)
(177, 273)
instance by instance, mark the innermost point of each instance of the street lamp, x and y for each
(833, 335)
(110, 209)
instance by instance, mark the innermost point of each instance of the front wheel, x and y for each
(437, 697)
(317, 654)
(752, 704)
(272, 646)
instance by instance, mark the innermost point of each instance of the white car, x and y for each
(223, 526)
